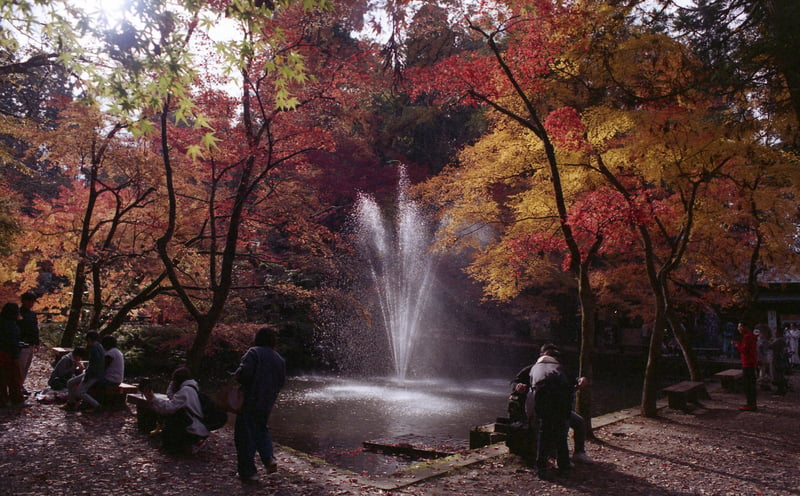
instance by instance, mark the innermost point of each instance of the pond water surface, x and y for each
(331, 417)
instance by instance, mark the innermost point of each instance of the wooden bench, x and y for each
(112, 396)
(59, 352)
(146, 418)
(681, 394)
(707, 352)
(730, 379)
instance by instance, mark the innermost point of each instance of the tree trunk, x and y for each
(588, 310)
(75, 307)
(151, 291)
(97, 298)
(685, 345)
(653, 370)
(194, 360)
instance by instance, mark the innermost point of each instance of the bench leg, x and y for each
(677, 401)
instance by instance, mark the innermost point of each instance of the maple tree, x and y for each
(572, 115)
(97, 230)
(255, 164)
(521, 43)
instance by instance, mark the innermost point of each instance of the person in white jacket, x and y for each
(183, 430)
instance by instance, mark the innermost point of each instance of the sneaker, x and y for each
(69, 407)
(248, 478)
(21, 404)
(272, 467)
(582, 457)
(748, 408)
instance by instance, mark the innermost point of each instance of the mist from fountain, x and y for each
(400, 267)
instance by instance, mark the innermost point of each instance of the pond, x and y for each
(331, 417)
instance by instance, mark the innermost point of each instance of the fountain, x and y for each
(400, 267)
(447, 388)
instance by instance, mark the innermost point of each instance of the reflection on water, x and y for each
(330, 417)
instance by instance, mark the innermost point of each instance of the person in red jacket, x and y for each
(748, 351)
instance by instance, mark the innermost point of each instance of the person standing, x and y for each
(552, 390)
(520, 409)
(780, 362)
(262, 374)
(10, 383)
(793, 336)
(29, 335)
(79, 386)
(748, 352)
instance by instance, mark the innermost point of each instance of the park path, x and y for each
(714, 450)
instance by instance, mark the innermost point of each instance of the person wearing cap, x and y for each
(748, 351)
(29, 335)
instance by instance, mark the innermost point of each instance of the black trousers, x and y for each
(749, 385)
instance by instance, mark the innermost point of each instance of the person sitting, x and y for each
(114, 361)
(182, 428)
(66, 368)
(78, 387)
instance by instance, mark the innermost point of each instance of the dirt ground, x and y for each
(714, 450)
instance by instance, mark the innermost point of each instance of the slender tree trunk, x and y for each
(97, 298)
(588, 312)
(75, 307)
(652, 372)
(685, 345)
(151, 291)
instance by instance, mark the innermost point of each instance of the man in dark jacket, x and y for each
(79, 386)
(262, 374)
(552, 390)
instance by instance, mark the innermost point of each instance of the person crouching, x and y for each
(183, 430)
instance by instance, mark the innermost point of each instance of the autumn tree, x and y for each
(98, 230)
(618, 110)
(509, 76)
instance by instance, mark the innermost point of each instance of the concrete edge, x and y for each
(441, 466)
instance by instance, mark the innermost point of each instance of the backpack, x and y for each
(214, 417)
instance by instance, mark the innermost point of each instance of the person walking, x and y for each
(29, 335)
(262, 374)
(748, 352)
